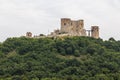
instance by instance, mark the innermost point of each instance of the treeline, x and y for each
(68, 58)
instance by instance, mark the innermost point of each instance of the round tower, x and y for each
(95, 32)
(65, 24)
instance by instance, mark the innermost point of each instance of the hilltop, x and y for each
(68, 58)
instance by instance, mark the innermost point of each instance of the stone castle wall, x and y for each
(73, 28)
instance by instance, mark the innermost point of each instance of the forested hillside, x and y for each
(69, 58)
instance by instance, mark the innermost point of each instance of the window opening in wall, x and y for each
(64, 24)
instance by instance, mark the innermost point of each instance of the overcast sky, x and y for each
(43, 16)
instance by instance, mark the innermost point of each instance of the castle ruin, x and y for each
(75, 28)
(71, 28)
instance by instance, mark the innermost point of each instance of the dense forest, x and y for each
(68, 58)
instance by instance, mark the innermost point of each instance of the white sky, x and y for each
(42, 16)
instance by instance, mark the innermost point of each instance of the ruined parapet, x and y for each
(29, 34)
(95, 32)
(57, 32)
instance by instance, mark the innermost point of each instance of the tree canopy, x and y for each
(68, 58)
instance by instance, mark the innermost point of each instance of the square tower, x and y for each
(65, 25)
(95, 32)
(72, 27)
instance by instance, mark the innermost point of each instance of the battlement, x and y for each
(95, 28)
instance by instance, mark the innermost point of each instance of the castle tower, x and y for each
(79, 27)
(80, 24)
(73, 28)
(95, 32)
(65, 25)
(28, 34)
